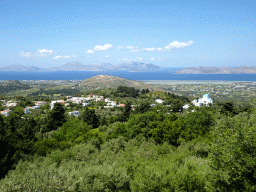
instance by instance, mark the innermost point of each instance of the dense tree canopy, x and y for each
(56, 118)
(157, 148)
(89, 116)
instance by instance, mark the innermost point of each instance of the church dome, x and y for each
(206, 95)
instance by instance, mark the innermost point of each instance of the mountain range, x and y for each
(218, 70)
(77, 66)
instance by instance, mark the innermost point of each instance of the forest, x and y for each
(161, 148)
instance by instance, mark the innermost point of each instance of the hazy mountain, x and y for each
(218, 70)
(20, 68)
(77, 66)
(136, 66)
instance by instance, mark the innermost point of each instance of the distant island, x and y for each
(77, 66)
(218, 70)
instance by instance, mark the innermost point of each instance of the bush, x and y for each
(233, 154)
(68, 176)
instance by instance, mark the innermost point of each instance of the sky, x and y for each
(177, 33)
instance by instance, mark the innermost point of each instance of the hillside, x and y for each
(12, 85)
(218, 70)
(108, 81)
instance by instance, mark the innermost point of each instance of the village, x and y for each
(85, 102)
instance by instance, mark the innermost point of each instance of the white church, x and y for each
(206, 100)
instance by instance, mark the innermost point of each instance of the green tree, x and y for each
(1, 106)
(127, 112)
(17, 140)
(227, 108)
(142, 107)
(71, 130)
(232, 154)
(170, 131)
(198, 123)
(89, 116)
(56, 118)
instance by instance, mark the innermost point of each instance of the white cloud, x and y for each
(177, 45)
(89, 56)
(152, 58)
(139, 58)
(42, 51)
(119, 59)
(74, 55)
(160, 49)
(38, 53)
(135, 50)
(25, 54)
(126, 59)
(107, 55)
(120, 47)
(59, 56)
(102, 48)
(90, 51)
(150, 49)
(129, 47)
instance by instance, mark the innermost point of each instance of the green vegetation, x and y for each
(161, 148)
(8, 86)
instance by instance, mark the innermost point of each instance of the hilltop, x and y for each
(108, 81)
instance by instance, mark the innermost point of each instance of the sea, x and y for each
(138, 76)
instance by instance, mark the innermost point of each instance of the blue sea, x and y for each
(139, 76)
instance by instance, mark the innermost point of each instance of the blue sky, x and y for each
(178, 33)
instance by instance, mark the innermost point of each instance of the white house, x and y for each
(5, 112)
(36, 107)
(159, 101)
(85, 104)
(107, 100)
(11, 105)
(74, 113)
(206, 100)
(52, 104)
(186, 106)
(40, 103)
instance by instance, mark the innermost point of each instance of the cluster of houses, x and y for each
(14, 104)
(204, 101)
(7, 104)
(85, 101)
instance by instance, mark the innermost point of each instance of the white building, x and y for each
(85, 104)
(40, 103)
(159, 101)
(186, 106)
(74, 113)
(11, 105)
(52, 104)
(206, 100)
(107, 100)
(5, 112)
(36, 107)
